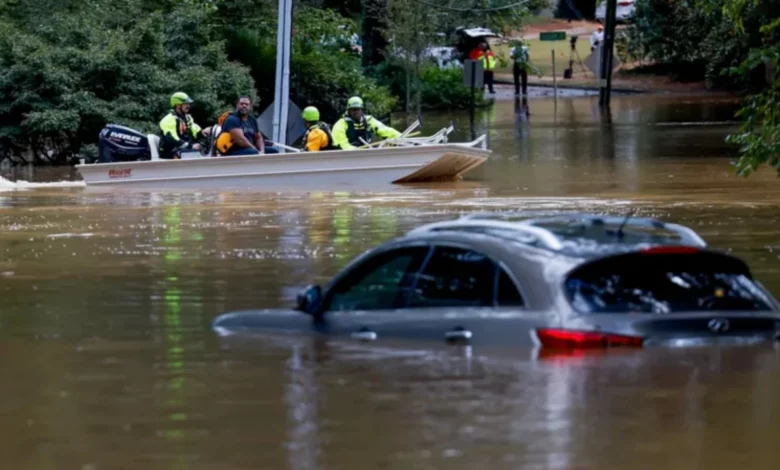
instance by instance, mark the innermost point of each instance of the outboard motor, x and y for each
(122, 144)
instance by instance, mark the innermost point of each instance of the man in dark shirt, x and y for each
(240, 134)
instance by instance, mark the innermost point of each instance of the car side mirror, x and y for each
(309, 299)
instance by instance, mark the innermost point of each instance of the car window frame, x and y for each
(498, 263)
(344, 275)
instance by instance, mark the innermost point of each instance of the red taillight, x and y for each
(569, 339)
(624, 4)
(668, 250)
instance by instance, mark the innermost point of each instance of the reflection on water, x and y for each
(107, 299)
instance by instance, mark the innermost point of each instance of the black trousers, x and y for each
(487, 77)
(520, 73)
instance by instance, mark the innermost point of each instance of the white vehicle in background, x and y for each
(463, 40)
(625, 10)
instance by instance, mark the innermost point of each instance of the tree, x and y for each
(65, 76)
(412, 29)
(324, 70)
(759, 135)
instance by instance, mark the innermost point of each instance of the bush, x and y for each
(440, 89)
(444, 89)
(63, 79)
(694, 38)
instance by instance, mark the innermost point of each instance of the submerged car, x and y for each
(572, 281)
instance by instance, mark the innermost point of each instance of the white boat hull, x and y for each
(311, 171)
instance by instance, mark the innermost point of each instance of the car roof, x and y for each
(576, 236)
(540, 252)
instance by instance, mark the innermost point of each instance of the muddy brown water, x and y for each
(109, 362)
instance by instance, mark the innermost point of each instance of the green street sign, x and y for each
(552, 36)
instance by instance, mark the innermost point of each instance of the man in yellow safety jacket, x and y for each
(488, 59)
(317, 136)
(179, 130)
(355, 125)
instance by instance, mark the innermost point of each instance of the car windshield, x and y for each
(664, 284)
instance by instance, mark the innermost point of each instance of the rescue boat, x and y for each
(129, 159)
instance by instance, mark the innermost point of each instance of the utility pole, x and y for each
(282, 88)
(607, 49)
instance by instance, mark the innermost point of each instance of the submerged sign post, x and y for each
(472, 74)
(553, 36)
(473, 77)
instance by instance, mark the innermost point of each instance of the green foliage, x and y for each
(444, 89)
(759, 135)
(324, 72)
(440, 89)
(327, 80)
(700, 39)
(63, 79)
(695, 43)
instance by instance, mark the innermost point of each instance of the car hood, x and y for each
(262, 319)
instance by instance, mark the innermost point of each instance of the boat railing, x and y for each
(481, 141)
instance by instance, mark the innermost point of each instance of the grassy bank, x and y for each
(540, 55)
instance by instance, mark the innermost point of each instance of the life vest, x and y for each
(488, 60)
(356, 130)
(225, 140)
(176, 131)
(323, 127)
(521, 55)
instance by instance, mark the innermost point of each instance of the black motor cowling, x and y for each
(122, 144)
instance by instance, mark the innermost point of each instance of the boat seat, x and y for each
(154, 145)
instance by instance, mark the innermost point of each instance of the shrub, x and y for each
(439, 88)
(63, 79)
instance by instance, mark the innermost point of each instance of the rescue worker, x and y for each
(240, 133)
(355, 125)
(179, 130)
(488, 59)
(317, 136)
(520, 66)
(596, 38)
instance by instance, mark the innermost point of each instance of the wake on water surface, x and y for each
(8, 185)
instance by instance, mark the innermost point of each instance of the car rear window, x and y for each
(664, 283)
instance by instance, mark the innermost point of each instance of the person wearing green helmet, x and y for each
(317, 136)
(179, 130)
(355, 125)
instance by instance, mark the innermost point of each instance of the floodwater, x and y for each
(109, 362)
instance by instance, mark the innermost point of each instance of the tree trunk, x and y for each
(418, 91)
(408, 88)
(374, 20)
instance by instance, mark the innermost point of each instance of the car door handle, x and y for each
(458, 334)
(365, 334)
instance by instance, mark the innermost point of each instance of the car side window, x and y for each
(379, 283)
(456, 277)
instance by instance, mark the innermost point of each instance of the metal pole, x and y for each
(473, 83)
(607, 48)
(282, 89)
(473, 91)
(555, 79)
